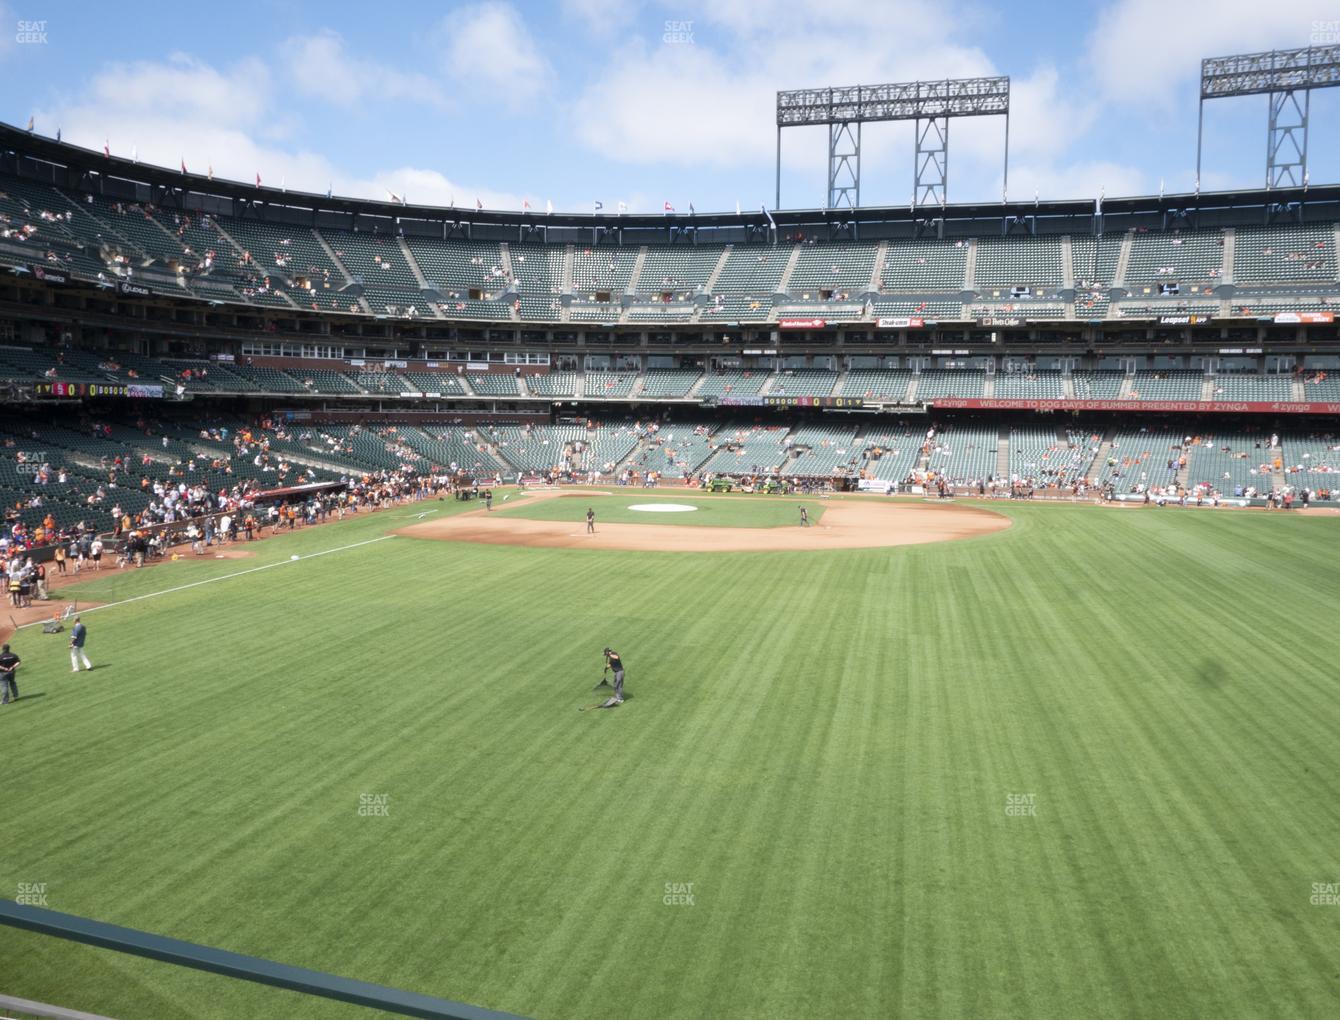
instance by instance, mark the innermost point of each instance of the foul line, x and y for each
(416, 517)
(211, 580)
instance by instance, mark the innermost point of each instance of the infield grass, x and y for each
(824, 744)
(722, 511)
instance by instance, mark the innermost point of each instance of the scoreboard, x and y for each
(781, 401)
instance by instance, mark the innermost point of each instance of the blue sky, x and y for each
(582, 100)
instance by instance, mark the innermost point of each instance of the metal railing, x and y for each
(247, 968)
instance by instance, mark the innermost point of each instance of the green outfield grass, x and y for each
(718, 511)
(825, 745)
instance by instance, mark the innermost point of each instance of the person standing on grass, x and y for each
(77, 638)
(804, 518)
(615, 663)
(590, 520)
(9, 666)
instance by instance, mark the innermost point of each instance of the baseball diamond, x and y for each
(427, 597)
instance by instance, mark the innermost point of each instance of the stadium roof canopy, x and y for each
(72, 166)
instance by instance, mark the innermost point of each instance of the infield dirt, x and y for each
(846, 524)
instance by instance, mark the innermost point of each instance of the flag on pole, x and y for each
(58, 134)
(283, 182)
(525, 204)
(549, 206)
(330, 189)
(210, 172)
(107, 147)
(623, 208)
(183, 164)
(737, 207)
(1160, 187)
(669, 207)
(692, 211)
(258, 178)
(30, 125)
(599, 205)
(395, 199)
(1035, 196)
(478, 205)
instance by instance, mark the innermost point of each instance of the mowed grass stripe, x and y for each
(821, 743)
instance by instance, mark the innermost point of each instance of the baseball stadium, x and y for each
(870, 610)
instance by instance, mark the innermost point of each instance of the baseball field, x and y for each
(1080, 765)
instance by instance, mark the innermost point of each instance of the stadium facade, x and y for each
(130, 290)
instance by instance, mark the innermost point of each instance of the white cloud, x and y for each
(489, 51)
(677, 104)
(801, 18)
(428, 187)
(180, 87)
(1142, 50)
(601, 17)
(186, 109)
(700, 106)
(1082, 179)
(321, 65)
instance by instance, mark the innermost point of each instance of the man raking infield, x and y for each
(612, 662)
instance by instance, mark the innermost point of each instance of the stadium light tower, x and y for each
(1288, 78)
(929, 103)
